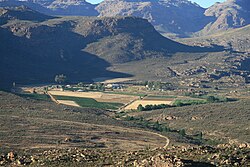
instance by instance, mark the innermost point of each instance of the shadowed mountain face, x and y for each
(168, 16)
(35, 50)
(228, 15)
(21, 13)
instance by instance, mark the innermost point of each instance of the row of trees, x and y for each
(198, 137)
(152, 107)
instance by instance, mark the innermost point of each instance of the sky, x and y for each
(203, 3)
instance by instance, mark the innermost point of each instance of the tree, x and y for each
(157, 126)
(140, 107)
(200, 135)
(182, 132)
(60, 78)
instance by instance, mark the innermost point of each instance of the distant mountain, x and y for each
(172, 18)
(21, 13)
(35, 50)
(180, 17)
(236, 39)
(227, 15)
(56, 7)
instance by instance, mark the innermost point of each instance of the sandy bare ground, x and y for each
(115, 80)
(68, 102)
(136, 103)
(98, 96)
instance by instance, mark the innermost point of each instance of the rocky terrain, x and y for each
(234, 40)
(183, 156)
(228, 15)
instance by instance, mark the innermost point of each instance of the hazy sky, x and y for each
(203, 3)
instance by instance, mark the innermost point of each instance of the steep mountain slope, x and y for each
(228, 15)
(168, 16)
(236, 39)
(34, 52)
(56, 7)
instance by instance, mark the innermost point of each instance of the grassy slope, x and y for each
(220, 120)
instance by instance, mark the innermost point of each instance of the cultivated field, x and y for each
(68, 102)
(135, 104)
(98, 96)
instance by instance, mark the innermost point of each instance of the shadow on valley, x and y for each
(38, 53)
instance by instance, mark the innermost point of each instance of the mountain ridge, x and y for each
(63, 45)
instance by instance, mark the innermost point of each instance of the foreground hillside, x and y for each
(44, 124)
(56, 135)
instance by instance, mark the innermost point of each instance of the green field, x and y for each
(34, 96)
(182, 102)
(91, 103)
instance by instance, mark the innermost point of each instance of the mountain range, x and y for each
(172, 18)
(35, 47)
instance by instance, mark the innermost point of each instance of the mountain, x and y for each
(167, 16)
(56, 7)
(237, 39)
(21, 13)
(228, 15)
(35, 50)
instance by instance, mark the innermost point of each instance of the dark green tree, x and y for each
(211, 99)
(140, 107)
(182, 132)
(200, 136)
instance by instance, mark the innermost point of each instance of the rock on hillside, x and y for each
(228, 15)
(168, 16)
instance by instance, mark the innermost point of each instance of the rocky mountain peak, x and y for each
(228, 15)
(168, 16)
